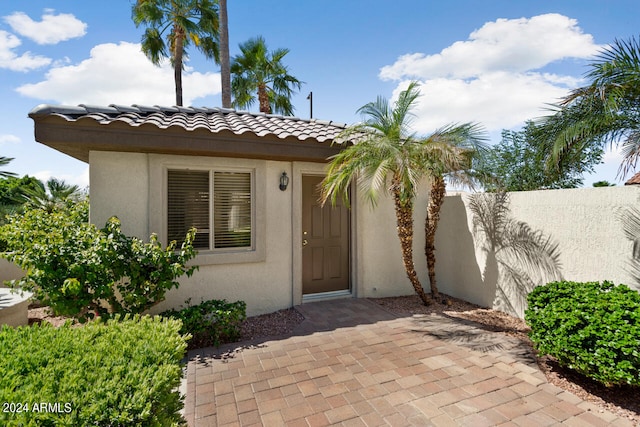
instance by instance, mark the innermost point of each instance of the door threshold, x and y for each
(326, 295)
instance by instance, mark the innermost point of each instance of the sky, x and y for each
(494, 62)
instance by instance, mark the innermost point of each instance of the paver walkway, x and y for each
(352, 363)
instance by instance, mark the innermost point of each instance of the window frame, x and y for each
(159, 167)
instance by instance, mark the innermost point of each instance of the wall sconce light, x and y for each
(284, 181)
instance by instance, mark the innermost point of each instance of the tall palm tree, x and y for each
(181, 22)
(258, 71)
(607, 111)
(449, 152)
(225, 73)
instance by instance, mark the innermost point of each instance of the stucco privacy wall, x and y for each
(498, 268)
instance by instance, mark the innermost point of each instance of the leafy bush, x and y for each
(593, 328)
(118, 373)
(80, 270)
(211, 322)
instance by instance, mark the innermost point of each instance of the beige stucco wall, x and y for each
(265, 284)
(129, 186)
(119, 185)
(585, 224)
(381, 271)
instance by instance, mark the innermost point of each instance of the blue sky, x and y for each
(496, 62)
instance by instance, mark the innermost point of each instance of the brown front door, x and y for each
(325, 244)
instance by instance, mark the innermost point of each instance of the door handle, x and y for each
(305, 242)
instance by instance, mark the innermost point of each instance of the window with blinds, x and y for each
(232, 209)
(189, 205)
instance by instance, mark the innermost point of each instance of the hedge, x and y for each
(212, 322)
(592, 328)
(119, 373)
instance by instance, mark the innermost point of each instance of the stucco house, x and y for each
(248, 182)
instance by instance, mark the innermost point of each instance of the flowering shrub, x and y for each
(82, 271)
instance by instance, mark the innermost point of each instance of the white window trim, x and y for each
(159, 165)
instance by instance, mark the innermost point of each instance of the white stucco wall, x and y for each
(265, 286)
(584, 223)
(125, 185)
(381, 271)
(119, 186)
(129, 185)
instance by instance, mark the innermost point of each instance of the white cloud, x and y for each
(515, 45)
(9, 139)
(497, 100)
(10, 60)
(497, 76)
(119, 74)
(51, 29)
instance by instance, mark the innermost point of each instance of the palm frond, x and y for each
(3, 162)
(264, 69)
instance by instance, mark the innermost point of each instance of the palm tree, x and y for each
(225, 73)
(449, 152)
(181, 22)
(607, 111)
(259, 71)
(57, 192)
(385, 149)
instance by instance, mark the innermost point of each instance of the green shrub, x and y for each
(118, 373)
(593, 328)
(211, 323)
(80, 270)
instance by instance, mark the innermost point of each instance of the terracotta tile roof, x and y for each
(191, 118)
(634, 180)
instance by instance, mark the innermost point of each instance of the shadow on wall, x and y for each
(630, 219)
(517, 258)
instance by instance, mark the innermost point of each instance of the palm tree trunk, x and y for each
(436, 198)
(263, 99)
(177, 64)
(225, 74)
(404, 217)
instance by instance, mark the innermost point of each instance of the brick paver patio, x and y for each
(352, 363)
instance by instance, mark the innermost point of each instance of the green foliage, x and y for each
(124, 372)
(604, 112)
(82, 271)
(172, 26)
(603, 184)
(56, 192)
(519, 163)
(3, 162)
(257, 71)
(211, 322)
(593, 328)
(13, 189)
(13, 194)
